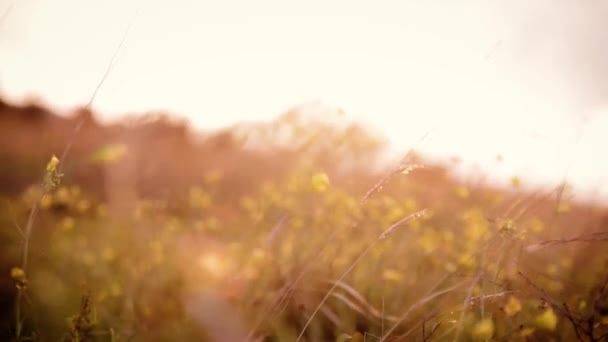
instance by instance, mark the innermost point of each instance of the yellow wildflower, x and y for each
(483, 330)
(51, 166)
(513, 306)
(547, 320)
(392, 275)
(320, 182)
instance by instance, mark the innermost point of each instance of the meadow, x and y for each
(288, 230)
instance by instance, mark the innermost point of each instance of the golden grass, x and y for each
(185, 238)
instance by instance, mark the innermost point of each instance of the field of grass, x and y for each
(280, 231)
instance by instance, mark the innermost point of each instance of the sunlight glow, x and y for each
(468, 73)
(212, 263)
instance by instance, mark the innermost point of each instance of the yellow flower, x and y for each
(410, 204)
(392, 275)
(527, 331)
(83, 205)
(18, 274)
(115, 289)
(51, 166)
(566, 262)
(75, 190)
(463, 192)
(46, 201)
(62, 195)
(515, 182)
(427, 242)
(109, 153)
(68, 223)
(213, 176)
(357, 337)
(258, 254)
(483, 330)
(552, 269)
(450, 267)
(582, 305)
(536, 225)
(52, 178)
(467, 261)
(108, 254)
(547, 320)
(477, 290)
(320, 182)
(513, 306)
(199, 198)
(506, 226)
(213, 224)
(102, 211)
(563, 208)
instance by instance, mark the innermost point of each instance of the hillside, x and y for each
(270, 231)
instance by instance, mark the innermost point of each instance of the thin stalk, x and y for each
(341, 278)
(361, 255)
(35, 208)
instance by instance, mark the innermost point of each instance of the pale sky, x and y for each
(524, 79)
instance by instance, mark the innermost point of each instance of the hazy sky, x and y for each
(524, 79)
